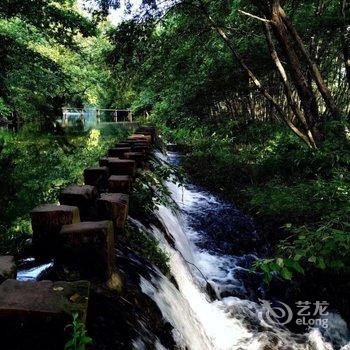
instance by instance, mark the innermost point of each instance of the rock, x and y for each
(88, 249)
(118, 151)
(138, 157)
(47, 221)
(97, 176)
(8, 268)
(114, 207)
(82, 197)
(122, 166)
(119, 184)
(34, 315)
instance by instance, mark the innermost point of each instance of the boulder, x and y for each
(8, 267)
(119, 184)
(87, 249)
(97, 176)
(118, 151)
(47, 221)
(114, 207)
(34, 315)
(82, 197)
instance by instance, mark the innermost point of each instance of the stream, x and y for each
(227, 315)
(214, 300)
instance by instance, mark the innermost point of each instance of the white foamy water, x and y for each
(229, 323)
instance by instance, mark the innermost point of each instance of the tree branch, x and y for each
(255, 17)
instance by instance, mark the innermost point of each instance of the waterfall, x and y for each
(229, 322)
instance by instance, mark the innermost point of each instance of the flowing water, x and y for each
(211, 254)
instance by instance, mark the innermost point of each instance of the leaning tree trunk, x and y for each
(306, 135)
(305, 93)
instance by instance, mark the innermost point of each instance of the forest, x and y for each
(254, 95)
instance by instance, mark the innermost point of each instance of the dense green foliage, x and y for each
(259, 89)
(35, 167)
(280, 147)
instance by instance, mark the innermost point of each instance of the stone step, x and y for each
(114, 207)
(34, 315)
(82, 197)
(146, 132)
(47, 221)
(87, 250)
(119, 166)
(97, 176)
(119, 184)
(138, 157)
(141, 137)
(122, 144)
(118, 151)
(8, 267)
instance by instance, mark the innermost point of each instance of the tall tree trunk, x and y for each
(344, 5)
(287, 88)
(254, 79)
(322, 87)
(306, 95)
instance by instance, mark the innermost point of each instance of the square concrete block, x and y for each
(104, 161)
(138, 157)
(119, 184)
(33, 315)
(114, 207)
(8, 267)
(97, 176)
(88, 249)
(47, 221)
(141, 137)
(122, 144)
(148, 130)
(82, 197)
(118, 151)
(122, 167)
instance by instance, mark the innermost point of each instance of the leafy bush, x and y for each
(276, 178)
(79, 339)
(148, 247)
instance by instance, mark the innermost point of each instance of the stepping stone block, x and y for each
(118, 151)
(119, 183)
(8, 268)
(138, 157)
(147, 131)
(96, 176)
(114, 207)
(88, 249)
(82, 197)
(143, 149)
(121, 166)
(141, 137)
(33, 315)
(122, 144)
(47, 221)
(104, 161)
